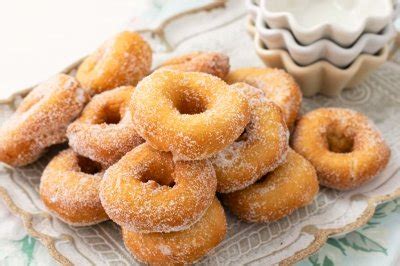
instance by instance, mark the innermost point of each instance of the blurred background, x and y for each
(40, 38)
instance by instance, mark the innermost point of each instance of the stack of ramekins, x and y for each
(326, 45)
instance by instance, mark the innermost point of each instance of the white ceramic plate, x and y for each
(368, 43)
(342, 21)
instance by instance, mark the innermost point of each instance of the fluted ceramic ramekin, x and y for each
(320, 77)
(252, 7)
(368, 43)
(342, 21)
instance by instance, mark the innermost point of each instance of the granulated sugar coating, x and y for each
(152, 158)
(192, 114)
(122, 60)
(290, 186)
(277, 85)
(213, 63)
(260, 149)
(345, 147)
(69, 187)
(104, 132)
(147, 191)
(178, 248)
(41, 120)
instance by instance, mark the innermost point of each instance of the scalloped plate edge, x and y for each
(320, 235)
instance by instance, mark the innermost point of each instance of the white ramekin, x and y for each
(320, 77)
(368, 43)
(343, 35)
(252, 7)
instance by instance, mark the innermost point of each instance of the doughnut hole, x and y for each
(190, 102)
(112, 117)
(244, 136)
(110, 114)
(88, 166)
(158, 177)
(263, 178)
(339, 141)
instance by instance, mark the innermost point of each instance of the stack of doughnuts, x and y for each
(152, 150)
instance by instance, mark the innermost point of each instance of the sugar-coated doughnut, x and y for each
(146, 191)
(104, 132)
(41, 120)
(260, 149)
(181, 247)
(344, 146)
(290, 186)
(213, 63)
(277, 85)
(122, 60)
(69, 188)
(192, 114)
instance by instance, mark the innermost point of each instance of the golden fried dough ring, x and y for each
(213, 63)
(260, 149)
(69, 187)
(345, 147)
(147, 191)
(192, 114)
(104, 132)
(290, 186)
(277, 85)
(181, 247)
(122, 60)
(41, 120)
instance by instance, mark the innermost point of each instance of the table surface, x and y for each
(376, 243)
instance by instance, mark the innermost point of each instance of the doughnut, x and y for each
(183, 247)
(260, 149)
(146, 191)
(122, 60)
(191, 114)
(345, 148)
(41, 120)
(104, 132)
(69, 188)
(213, 63)
(290, 186)
(277, 85)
